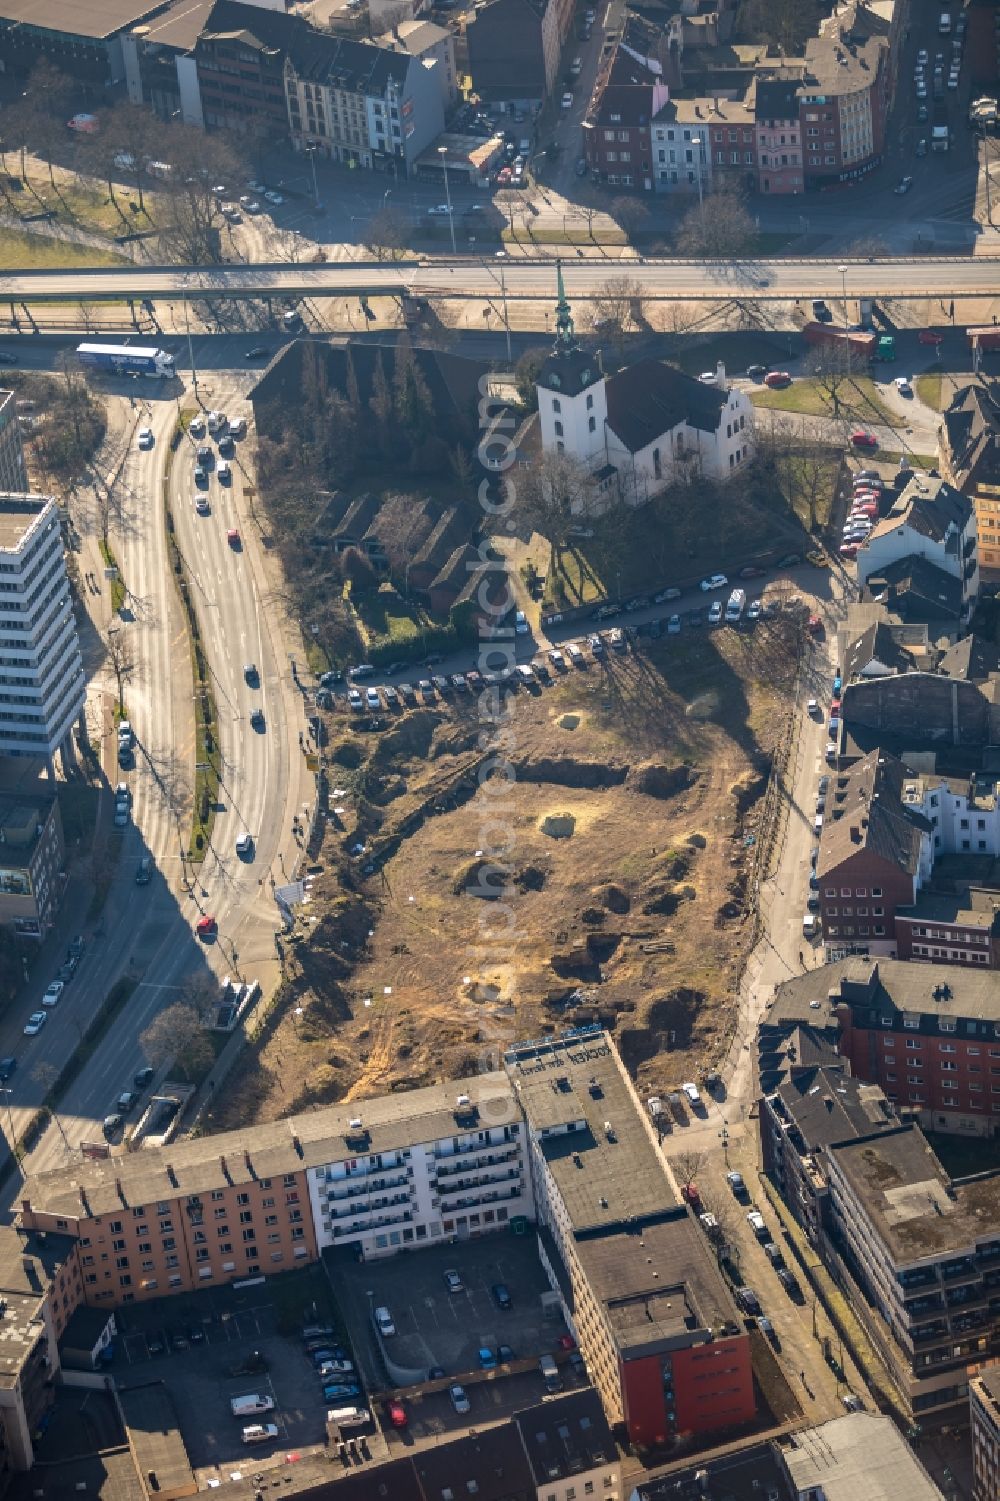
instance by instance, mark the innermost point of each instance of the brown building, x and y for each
(969, 451)
(616, 132)
(514, 48)
(32, 862)
(202, 1211)
(240, 57)
(961, 927)
(984, 1416)
(874, 850)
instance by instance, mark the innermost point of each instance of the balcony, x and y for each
(347, 1188)
(467, 1185)
(487, 1157)
(923, 1305)
(958, 1271)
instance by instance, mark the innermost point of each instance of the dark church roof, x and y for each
(649, 399)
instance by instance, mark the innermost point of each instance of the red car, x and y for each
(777, 379)
(233, 538)
(690, 1195)
(835, 709)
(928, 336)
(565, 1342)
(861, 439)
(206, 927)
(849, 549)
(815, 625)
(397, 1415)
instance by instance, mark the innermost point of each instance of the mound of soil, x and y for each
(568, 721)
(531, 878)
(482, 878)
(676, 864)
(669, 1025)
(613, 897)
(569, 773)
(558, 825)
(593, 916)
(747, 789)
(661, 781)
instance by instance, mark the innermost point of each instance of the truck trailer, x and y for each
(983, 338)
(862, 346)
(127, 359)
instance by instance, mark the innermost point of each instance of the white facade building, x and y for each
(433, 1164)
(13, 472)
(647, 425)
(931, 520)
(42, 687)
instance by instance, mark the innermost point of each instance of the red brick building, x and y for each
(874, 852)
(951, 928)
(928, 1034)
(239, 59)
(616, 132)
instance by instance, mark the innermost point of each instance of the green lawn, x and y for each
(928, 389)
(22, 251)
(386, 616)
(88, 207)
(859, 399)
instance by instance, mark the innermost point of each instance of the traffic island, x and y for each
(206, 751)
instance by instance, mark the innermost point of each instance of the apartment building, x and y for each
(13, 470)
(814, 1107)
(238, 58)
(969, 456)
(926, 1251)
(929, 520)
(680, 142)
(362, 105)
(656, 1323)
(428, 43)
(844, 96)
(32, 862)
(927, 1034)
(42, 687)
(875, 851)
(984, 1427)
(951, 927)
(431, 1164)
(514, 48)
(616, 132)
(778, 136)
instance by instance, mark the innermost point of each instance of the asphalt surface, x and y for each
(930, 278)
(147, 931)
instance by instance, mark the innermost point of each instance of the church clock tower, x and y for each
(572, 404)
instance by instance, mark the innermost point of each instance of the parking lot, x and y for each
(445, 1330)
(198, 1344)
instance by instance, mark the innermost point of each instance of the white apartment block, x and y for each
(964, 812)
(42, 687)
(931, 520)
(431, 1165)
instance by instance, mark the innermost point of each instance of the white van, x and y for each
(944, 25)
(809, 925)
(349, 1417)
(252, 1403)
(691, 1090)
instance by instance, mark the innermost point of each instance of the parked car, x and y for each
(459, 1400)
(453, 1281)
(777, 379)
(748, 1300)
(36, 1021)
(715, 581)
(52, 993)
(862, 439)
(502, 1297)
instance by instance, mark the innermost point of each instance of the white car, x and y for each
(567, 101)
(274, 198)
(237, 427)
(244, 844)
(691, 1090)
(902, 384)
(372, 699)
(201, 505)
(707, 377)
(145, 437)
(224, 472)
(520, 623)
(922, 57)
(756, 1222)
(715, 613)
(674, 625)
(440, 210)
(253, 207)
(459, 1400)
(36, 1021)
(52, 994)
(383, 1320)
(716, 581)
(354, 698)
(575, 655)
(196, 427)
(754, 609)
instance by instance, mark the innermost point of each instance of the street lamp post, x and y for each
(443, 154)
(311, 151)
(187, 328)
(843, 290)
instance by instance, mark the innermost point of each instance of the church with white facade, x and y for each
(646, 426)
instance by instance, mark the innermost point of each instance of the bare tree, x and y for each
(718, 228)
(786, 23)
(688, 1164)
(192, 219)
(178, 1032)
(508, 201)
(132, 134)
(553, 493)
(829, 366)
(121, 659)
(46, 100)
(385, 237)
(631, 214)
(617, 309)
(45, 1075)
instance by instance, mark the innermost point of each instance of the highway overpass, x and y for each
(930, 279)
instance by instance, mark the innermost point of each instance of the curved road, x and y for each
(931, 278)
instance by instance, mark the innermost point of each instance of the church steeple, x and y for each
(565, 334)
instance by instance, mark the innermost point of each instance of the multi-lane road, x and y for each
(147, 931)
(931, 278)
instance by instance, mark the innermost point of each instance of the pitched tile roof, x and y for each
(866, 812)
(649, 399)
(877, 643)
(917, 590)
(973, 659)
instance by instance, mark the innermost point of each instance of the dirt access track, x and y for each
(624, 841)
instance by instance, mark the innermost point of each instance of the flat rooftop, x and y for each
(915, 1207)
(861, 1457)
(97, 18)
(18, 514)
(29, 1262)
(313, 1139)
(154, 1435)
(589, 1124)
(660, 1285)
(885, 986)
(974, 908)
